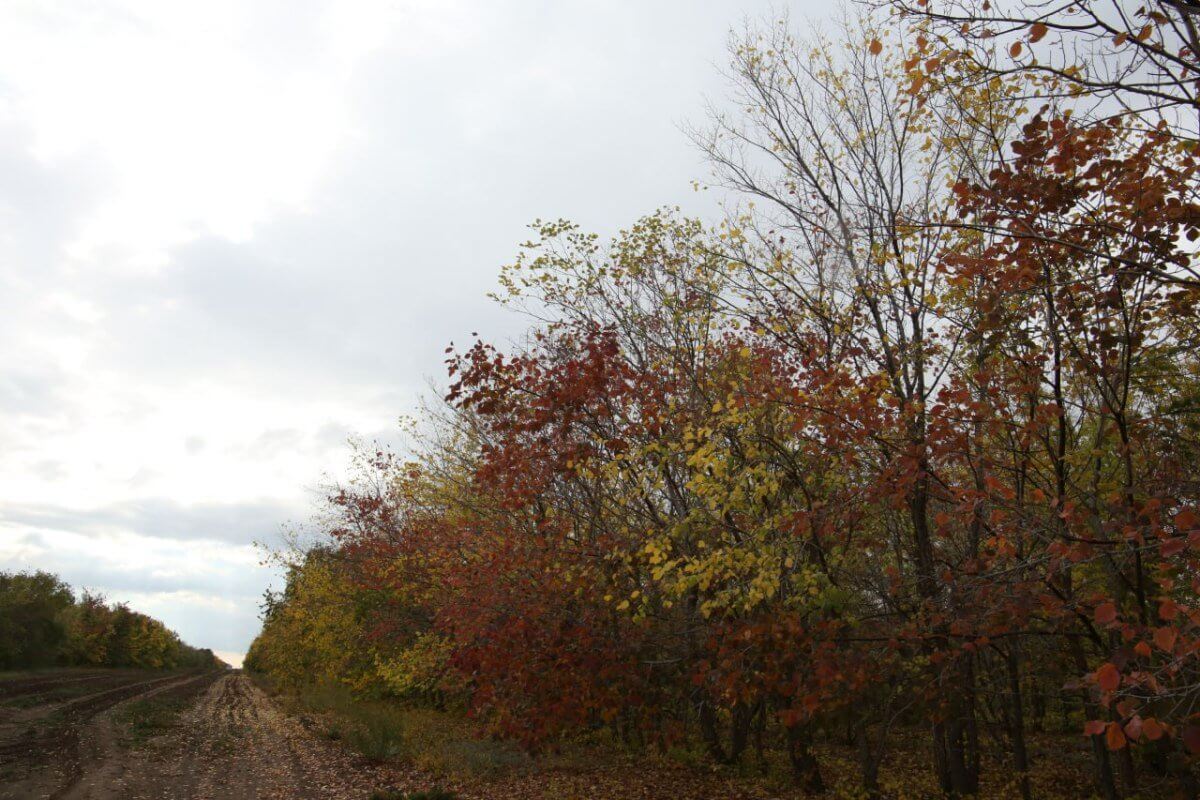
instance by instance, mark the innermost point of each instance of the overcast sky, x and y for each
(233, 234)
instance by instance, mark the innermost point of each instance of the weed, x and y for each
(395, 794)
(685, 756)
(328, 698)
(377, 733)
(483, 757)
(145, 719)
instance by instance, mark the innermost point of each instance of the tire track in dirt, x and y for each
(41, 750)
(20, 687)
(105, 764)
(244, 748)
(232, 743)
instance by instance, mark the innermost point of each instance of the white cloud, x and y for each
(198, 130)
(233, 234)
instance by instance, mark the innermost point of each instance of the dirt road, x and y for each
(216, 736)
(230, 741)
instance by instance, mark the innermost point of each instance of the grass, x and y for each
(433, 741)
(448, 747)
(142, 720)
(375, 730)
(377, 733)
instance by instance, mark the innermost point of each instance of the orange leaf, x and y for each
(1171, 547)
(1114, 737)
(1142, 649)
(1037, 31)
(1167, 610)
(1133, 728)
(1108, 677)
(1164, 638)
(1015, 50)
(1105, 613)
(1152, 729)
(876, 47)
(1093, 727)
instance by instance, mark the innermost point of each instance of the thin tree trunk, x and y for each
(1017, 721)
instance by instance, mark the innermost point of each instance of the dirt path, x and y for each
(230, 742)
(224, 739)
(45, 748)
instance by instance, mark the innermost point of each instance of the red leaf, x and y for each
(1093, 727)
(1152, 729)
(1114, 737)
(1108, 677)
(1037, 31)
(876, 47)
(1164, 638)
(1133, 728)
(1168, 610)
(1171, 547)
(1105, 613)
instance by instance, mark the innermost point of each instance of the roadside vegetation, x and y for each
(885, 482)
(43, 624)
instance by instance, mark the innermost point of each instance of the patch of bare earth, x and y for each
(231, 741)
(45, 748)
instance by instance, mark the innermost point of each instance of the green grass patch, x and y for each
(142, 720)
(434, 741)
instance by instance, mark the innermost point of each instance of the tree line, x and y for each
(44, 624)
(907, 444)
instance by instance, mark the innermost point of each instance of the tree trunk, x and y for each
(805, 768)
(1017, 722)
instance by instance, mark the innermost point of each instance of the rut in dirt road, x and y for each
(233, 743)
(45, 749)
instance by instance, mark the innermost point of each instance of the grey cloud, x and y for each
(238, 523)
(408, 231)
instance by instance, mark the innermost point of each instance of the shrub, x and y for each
(376, 733)
(484, 757)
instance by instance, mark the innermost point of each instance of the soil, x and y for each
(230, 742)
(217, 736)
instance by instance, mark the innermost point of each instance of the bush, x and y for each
(484, 757)
(328, 698)
(432, 794)
(376, 733)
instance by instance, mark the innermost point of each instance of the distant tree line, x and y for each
(43, 624)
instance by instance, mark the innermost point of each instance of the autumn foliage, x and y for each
(43, 623)
(908, 444)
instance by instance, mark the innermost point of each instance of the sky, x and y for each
(235, 234)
